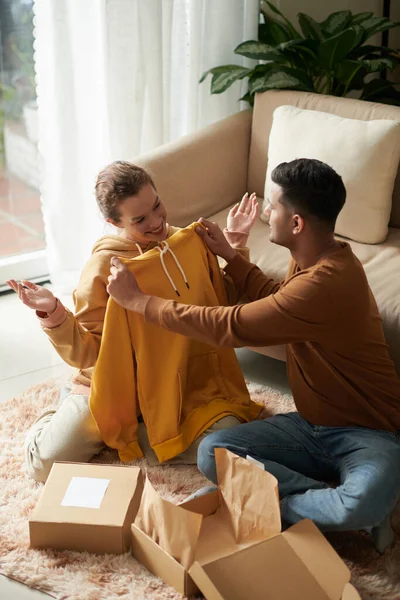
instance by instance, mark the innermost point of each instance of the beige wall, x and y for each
(320, 9)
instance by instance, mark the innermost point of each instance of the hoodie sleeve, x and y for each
(76, 337)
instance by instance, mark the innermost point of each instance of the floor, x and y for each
(21, 222)
(27, 358)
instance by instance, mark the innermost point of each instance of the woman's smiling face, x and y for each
(143, 217)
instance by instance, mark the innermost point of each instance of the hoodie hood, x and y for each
(116, 244)
(111, 245)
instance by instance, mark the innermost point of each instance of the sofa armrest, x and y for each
(202, 173)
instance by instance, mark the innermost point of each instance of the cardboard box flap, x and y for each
(269, 570)
(203, 505)
(216, 540)
(159, 562)
(204, 583)
(350, 593)
(252, 516)
(173, 528)
(319, 557)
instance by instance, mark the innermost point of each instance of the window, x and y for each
(22, 242)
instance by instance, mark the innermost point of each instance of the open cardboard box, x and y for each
(229, 543)
(87, 507)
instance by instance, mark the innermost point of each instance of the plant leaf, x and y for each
(360, 33)
(346, 70)
(379, 88)
(275, 32)
(349, 75)
(272, 33)
(309, 47)
(310, 27)
(282, 78)
(285, 45)
(375, 65)
(336, 22)
(299, 53)
(335, 49)
(288, 23)
(215, 70)
(248, 98)
(257, 50)
(359, 18)
(260, 71)
(370, 49)
(377, 25)
(222, 80)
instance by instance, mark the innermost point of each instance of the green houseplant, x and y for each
(331, 57)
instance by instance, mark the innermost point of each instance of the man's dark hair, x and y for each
(311, 187)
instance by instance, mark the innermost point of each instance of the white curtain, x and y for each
(116, 78)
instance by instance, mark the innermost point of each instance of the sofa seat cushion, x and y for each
(381, 263)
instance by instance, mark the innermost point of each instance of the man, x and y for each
(347, 393)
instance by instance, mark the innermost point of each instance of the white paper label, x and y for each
(85, 492)
(258, 464)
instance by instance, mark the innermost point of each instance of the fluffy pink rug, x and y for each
(76, 575)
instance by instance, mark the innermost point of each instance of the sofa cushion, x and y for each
(365, 153)
(381, 264)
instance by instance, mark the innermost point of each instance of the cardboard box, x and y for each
(239, 551)
(297, 564)
(87, 507)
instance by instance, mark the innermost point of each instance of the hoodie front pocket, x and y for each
(201, 382)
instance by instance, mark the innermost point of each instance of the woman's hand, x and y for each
(34, 296)
(215, 239)
(243, 215)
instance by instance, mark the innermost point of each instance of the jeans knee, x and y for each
(361, 514)
(206, 457)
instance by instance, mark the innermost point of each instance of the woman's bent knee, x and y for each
(37, 469)
(68, 434)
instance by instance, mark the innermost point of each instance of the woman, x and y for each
(127, 198)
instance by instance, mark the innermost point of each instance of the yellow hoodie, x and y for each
(76, 337)
(180, 386)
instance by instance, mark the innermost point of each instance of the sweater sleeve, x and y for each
(234, 293)
(251, 281)
(300, 311)
(77, 338)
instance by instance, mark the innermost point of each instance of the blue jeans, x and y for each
(306, 459)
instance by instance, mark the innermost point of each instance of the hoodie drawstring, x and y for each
(163, 248)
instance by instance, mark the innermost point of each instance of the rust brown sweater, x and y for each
(338, 362)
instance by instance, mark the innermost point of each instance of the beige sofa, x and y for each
(205, 173)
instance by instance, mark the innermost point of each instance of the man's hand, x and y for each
(243, 215)
(124, 289)
(215, 240)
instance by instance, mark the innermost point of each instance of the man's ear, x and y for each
(298, 224)
(114, 223)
